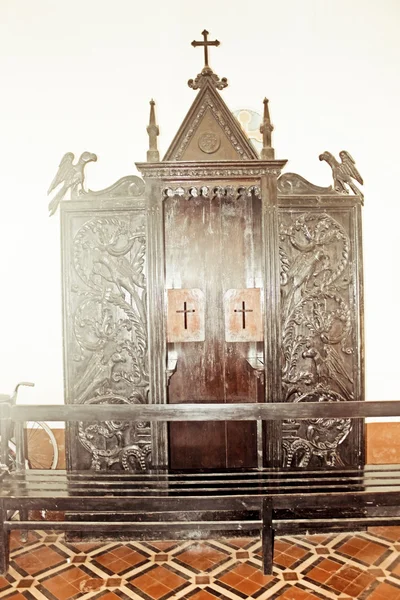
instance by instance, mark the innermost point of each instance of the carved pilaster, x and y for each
(271, 309)
(156, 313)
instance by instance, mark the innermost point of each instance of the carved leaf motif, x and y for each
(316, 319)
(110, 329)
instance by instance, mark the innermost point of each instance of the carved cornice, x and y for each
(190, 192)
(212, 170)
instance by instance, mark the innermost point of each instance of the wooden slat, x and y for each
(206, 412)
(127, 526)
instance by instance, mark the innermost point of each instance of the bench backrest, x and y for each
(17, 414)
(272, 411)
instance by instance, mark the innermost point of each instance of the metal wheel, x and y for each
(41, 446)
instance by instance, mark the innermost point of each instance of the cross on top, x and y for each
(206, 43)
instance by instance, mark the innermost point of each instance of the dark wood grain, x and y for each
(213, 246)
(207, 412)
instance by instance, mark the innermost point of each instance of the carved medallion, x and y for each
(209, 142)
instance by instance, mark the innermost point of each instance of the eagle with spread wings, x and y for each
(69, 177)
(344, 172)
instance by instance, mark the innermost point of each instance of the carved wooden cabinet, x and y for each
(214, 278)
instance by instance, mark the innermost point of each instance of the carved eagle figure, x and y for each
(70, 176)
(344, 172)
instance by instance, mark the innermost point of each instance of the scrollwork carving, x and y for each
(317, 325)
(130, 186)
(110, 331)
(319, 437)
(293, 184)
(208, 76)
(114, 444)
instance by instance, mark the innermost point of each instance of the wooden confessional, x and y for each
(212, 278)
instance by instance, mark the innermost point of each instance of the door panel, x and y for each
(213, 245)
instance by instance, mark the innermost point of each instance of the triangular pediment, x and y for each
(210, 132)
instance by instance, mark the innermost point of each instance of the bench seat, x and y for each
(163, 504)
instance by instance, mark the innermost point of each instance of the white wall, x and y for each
(78, 75)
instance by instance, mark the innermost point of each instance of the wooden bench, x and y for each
(161, 504)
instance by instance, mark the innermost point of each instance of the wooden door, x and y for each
(213, 244)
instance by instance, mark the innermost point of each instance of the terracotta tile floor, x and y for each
(360, 565)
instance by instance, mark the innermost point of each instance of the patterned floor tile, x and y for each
(162, 546)
(6, 582)
(242, 542)
(80, 547)
(364, 565)
(203, 595)
(202, 557)
(363, 550)
(120, 559)
(394, 568)
(392, 534)
(245, 580)
(158, 582)
(297, 592)
(38, 560)
(383, 591)
(339, 578)
(17, 542)
(25, 595)
(288, 554)
(114, 595)
(66, 584)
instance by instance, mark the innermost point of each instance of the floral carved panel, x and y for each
(105, 328)
(319, 331)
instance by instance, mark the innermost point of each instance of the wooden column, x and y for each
(272, 335)
(156, 316)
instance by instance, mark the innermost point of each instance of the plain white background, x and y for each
(78, 75)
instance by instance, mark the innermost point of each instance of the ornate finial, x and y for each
(266, 129)
(207, 73)
(153, 154)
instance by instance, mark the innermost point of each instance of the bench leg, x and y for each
(23, 516)
(4, 541)
(267, 536)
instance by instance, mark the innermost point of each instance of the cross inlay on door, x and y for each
(248, 327)
(243, 310)
(189, 304)
(185, 312)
